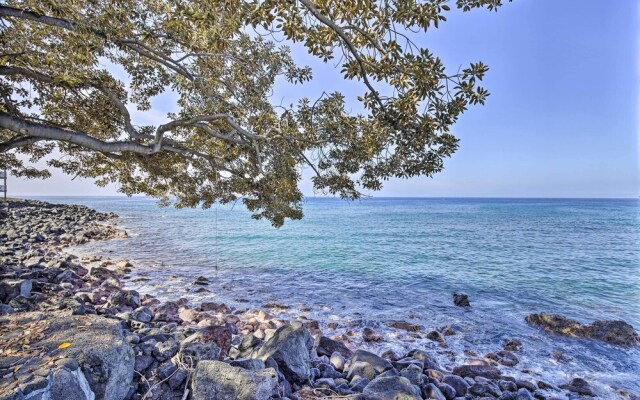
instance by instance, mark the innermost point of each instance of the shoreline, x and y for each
(302, 362)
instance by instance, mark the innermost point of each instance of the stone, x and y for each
(327, 346)
(428, 361)
(615, 332)
(435, 336)
(486, 371)
(483, 388)
(142, 314)
(503, 357)
(578, 385)
(252, 364)
(431, 391)
(12, 288)
(361, 369)
(405, 326)
(391, 388)
(458, 383)
(413, 373)
(378, 363)
(370, 335)
(338, 361)
(163, 351)
(290, 347)
(523, 394)
(98, 350)
(65, 384)
(447, 391)
(216, 380)
(461, 300)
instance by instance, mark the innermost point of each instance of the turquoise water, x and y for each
(380, 259)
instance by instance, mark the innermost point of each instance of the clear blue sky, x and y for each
(561, 121)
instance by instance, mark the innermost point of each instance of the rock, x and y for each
(378, 363)
(370, 335)
(328, 346)
(486, 371)
(104, 358)
(615, 332)
(201, 280)
(435, 336)
(129, 298)
(523, 394)
(163, 351)
(431, 391)
(521, 383)
(461, 300)
(512, 345)
(391, 388)
(216, 380)
(252, 364)
(361, 369)
(578, 385)
(413, 373)
(504, 357)
(65, 384)
(448, 391)
(193, 352)
(142, 363)
(338, 361)
(177, 379)
(428, 361)
(485, 387)
(290, 347)
(12, 288)
(405, 326)
(142, 314)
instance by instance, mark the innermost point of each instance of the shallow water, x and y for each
(377, 260)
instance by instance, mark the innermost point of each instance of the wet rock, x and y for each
(484, 387)
(216, 380)
(393, 387)
(201, 280)
(615, 332)
(327, 347)
(461, 300)
(413, 373)
(578, 385)
(435, 336)
(486, 371)
(512, 345)
(405, 326)
(428, 361)
(370, 335)
(290, 347)
(504, 357)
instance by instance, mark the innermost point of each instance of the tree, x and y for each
(71, 71)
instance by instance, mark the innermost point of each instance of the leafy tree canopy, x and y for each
(71, 72)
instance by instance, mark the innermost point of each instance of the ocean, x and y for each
(369, 262)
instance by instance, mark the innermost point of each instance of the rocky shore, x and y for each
(70, 329)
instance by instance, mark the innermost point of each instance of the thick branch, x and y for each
(18, 142)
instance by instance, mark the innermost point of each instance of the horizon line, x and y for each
(366, 197)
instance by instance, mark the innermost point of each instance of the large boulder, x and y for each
(84, 355)
(290, 346)
(216, 380)
(615, 332)
(328, 346)
(391, 388)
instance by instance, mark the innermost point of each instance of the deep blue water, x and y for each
(382, 259)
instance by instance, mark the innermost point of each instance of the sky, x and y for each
(562, 119)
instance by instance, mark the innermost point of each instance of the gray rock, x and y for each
(163, 351)
(12, 288)
(413, 373)
(358, 383)
(448, 391)
(327, 347)
(142, 314)
(391, 388)
(457, 383)
(66, 384)
(216, 380)
(252, 364)
(524, 394)
(461, 300)
(337, 360)
(378, 363)
(431, 391)
(290, 347)
(486, 371)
